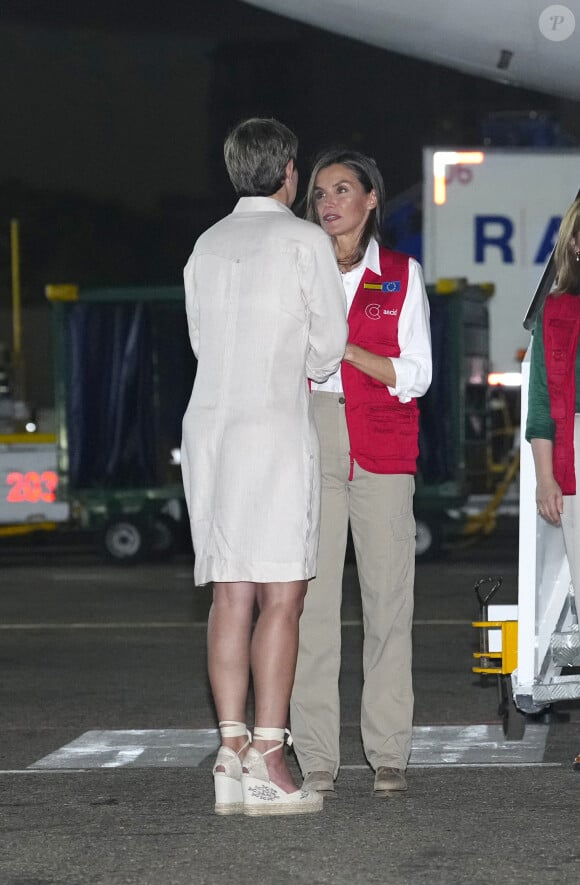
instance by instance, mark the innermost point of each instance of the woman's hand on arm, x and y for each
(408, 375)
(548, 493)
(378, 367)
(324, 294)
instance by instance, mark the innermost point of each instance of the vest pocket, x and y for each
(564, 332)
(389, 433)
(400, 419)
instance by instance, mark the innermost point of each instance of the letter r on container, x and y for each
(493, 231)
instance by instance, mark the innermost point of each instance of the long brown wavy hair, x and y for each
(567, 265)
(367, 172)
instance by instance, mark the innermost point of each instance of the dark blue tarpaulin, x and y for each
(130, 373)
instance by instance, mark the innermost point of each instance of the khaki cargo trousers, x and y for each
(380, 510)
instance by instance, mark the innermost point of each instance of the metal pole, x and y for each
(16, 308)
(16, 315)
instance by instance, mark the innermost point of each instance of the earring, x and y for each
(577, 255)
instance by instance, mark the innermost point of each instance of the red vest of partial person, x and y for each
(561, 330)
(383, 432)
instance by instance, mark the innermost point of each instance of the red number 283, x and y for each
(32, 486)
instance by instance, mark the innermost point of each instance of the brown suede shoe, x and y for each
(321, 782)
(389, 781)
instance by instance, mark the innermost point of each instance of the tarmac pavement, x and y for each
(86, 648)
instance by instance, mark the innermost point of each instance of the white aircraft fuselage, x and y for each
(529, 43)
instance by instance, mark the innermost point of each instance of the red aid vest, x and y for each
(383, 432)
(561, 330)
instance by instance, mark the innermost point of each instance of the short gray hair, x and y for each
(257, 152)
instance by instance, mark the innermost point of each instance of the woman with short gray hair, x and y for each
(266, 312)
(254, 171)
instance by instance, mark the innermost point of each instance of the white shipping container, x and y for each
(492, 215)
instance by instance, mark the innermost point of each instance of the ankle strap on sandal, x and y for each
(231, 729)
(273, 734)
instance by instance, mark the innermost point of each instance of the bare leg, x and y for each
(273, 660)
(229, 630)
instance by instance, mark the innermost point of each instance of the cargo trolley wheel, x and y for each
(427, 538)
(513, 720)
(124, 541)
(164, 537)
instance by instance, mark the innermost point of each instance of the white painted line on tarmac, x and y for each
(135, 748)
(53, 771)
(45, 771)
(468, 765)
(108, 625)
(433, 746)
(75, 576)
(425, 622)
(491, 765)
(475, 744)
(183, 625)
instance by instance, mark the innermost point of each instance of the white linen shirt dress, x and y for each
(265, 311)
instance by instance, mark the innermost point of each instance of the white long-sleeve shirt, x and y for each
(413, 368)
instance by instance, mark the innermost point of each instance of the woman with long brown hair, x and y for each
(367, 420)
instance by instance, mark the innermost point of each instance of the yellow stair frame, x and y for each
(507, 658)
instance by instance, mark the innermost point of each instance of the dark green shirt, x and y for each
(539, 424)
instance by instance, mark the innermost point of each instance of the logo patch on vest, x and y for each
(386, 286)
(376, 312)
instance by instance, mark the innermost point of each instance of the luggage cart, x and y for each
(123, 376)
(497, 655)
